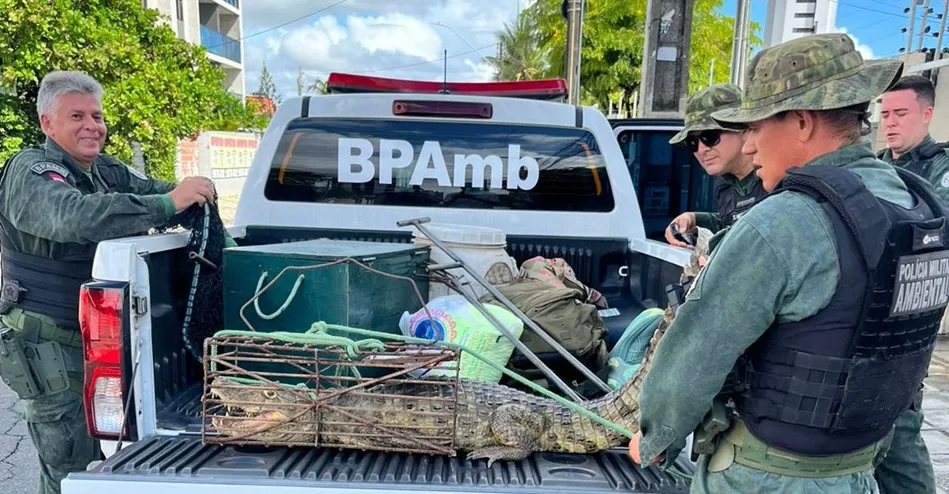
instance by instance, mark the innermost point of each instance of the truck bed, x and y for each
(156, 464)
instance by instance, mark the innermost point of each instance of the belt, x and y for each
(37, 328)
(754, 453)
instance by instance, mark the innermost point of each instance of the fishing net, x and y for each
(203, 312)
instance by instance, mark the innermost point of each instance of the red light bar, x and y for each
(547, 89)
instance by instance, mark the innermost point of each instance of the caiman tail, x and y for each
(570, 432)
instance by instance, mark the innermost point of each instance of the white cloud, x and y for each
(865, 51)
(374, 37)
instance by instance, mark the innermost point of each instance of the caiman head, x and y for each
(250, 410)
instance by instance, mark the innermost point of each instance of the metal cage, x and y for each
(260, 390)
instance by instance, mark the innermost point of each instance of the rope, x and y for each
(185, 326)
(286, 303)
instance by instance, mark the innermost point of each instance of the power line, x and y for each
(425, 62)
(278, 26)
(904, 16)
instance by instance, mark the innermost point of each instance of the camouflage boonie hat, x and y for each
(699, 108)
(816, 72)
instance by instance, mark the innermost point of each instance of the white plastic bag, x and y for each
(457, 321)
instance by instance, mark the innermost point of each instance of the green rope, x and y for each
(286, 303)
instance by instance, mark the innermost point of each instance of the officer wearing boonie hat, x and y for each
(806, 301)
(718, 150)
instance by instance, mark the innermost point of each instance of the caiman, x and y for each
(493, 421)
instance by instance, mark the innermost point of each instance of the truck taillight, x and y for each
(101, 312)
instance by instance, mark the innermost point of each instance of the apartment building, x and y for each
(215, 24)
(791, 19)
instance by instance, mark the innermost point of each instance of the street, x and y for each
(18, 458)
(18, 465)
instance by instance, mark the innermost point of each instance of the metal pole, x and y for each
(417, 223)
(739, 42)
(909, 29)
(922, 24)
(736, 43)
(743, 54)
(519, 345)
(574, 43)
(942, 29)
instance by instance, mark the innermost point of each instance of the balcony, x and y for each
(233, 3)
(220, 44)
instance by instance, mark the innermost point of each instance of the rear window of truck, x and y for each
(439, 164)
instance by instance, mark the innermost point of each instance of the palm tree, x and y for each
(520, 56)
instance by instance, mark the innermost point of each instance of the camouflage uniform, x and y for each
(734, 196)
(50, 208)
(789, 237)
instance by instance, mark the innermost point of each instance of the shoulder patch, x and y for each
(945, 180)
(44, 167)
(137, 174)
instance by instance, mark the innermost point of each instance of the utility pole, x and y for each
(922, 24)
(740, 42)
(942, 29)
(909, 30)
(573, 11)
(665, 71)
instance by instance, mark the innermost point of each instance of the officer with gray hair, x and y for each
(56, 203)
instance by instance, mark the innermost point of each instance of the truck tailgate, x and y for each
(184, 464)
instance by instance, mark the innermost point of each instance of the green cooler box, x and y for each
(344, 294)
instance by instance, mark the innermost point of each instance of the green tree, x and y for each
(267, 86)
(520, 56)
(613, 42)
(158, 89)
(317, 86)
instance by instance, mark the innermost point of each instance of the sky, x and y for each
(407, 38)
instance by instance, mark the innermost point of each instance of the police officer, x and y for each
(905, 115)
(904, 118)
(816, 302)
(718, 150)
(56, 203)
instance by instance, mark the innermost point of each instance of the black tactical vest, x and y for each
(926, 155)
(731, 205)
(46, 286)
(836, 382)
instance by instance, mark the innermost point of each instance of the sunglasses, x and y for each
(710, 138)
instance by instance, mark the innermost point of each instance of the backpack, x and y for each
(567, 318)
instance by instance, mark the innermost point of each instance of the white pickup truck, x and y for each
(567, 192)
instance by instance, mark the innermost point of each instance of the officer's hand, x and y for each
(685, 222)
(192, 190)
(634, 450)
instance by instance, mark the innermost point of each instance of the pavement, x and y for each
(936, 414)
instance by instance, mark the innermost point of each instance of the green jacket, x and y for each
(778, 262)
(50, 207)
(936, 171)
